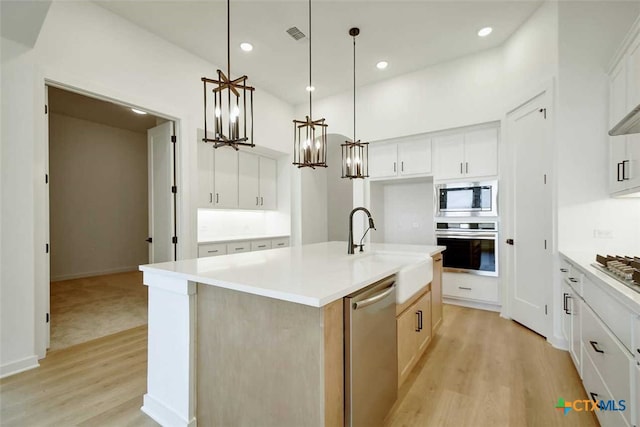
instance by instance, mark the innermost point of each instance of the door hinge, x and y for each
(544, 110)
(46, 248)
(545, 310)
(46, 178)
(46, 109)
(174, 139)
(174, 240)
(47, 317)
(174, 189)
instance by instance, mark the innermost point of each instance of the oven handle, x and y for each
(486, 236)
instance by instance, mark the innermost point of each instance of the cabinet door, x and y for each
(631, 164)
(565, 320)
(617, 158)
(248, 176)
(633, 75)
(481, 153)
(575, 307)
(436, 292)
(423, 308)
(618, 93)
(226, 178)
(383, 160)
(407, 325)
(205, 174)
(448, 157)
(268, 183)
(414, 157)
(637, 401)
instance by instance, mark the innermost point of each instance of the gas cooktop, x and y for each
(625, 270)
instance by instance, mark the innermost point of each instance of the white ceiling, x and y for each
(99, 111)
(409, 35)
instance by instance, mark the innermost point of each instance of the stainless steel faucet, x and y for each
(352, 246)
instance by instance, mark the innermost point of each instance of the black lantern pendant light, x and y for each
(355, 154)
(310, 136)
(232, 105)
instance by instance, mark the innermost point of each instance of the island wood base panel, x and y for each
(259, 361)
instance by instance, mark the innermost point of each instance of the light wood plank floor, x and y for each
(479, 371)
(482, 370)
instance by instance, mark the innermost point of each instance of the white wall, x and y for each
(98, 196)
(81, 45)
(589, 34)
(403, 212)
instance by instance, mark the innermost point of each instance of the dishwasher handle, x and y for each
(374, 299)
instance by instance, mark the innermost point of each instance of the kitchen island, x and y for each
(257, 338)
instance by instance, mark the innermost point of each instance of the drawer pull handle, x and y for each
(565, 302)
(638, 350)
(212, 252)
(466, 289)
(594, 344)
(280, 244)
(573, 280)
(239, 249)
(419, 315)
(262, 246)
(594, 397)
(564, 270)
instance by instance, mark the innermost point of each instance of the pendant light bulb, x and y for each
(218, 112)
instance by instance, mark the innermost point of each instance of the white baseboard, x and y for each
(164, 415)
(94, 273)
(18, 366)
(558, 342)
(471, 304)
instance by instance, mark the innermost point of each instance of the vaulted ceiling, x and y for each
(410, 35)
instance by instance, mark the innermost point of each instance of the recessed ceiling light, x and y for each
(310, 88)
(247, 47)
(484, 32)
(138, 111)
(382, 65)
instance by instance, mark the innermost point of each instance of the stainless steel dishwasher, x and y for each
(371, 355)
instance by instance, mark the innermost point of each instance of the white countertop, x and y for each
(313, 275)
(622, 293)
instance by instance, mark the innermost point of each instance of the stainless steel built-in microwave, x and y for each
(467, 199)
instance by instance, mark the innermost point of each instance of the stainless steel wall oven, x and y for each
(471, 247)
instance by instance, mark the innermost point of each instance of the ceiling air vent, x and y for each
(295, 33)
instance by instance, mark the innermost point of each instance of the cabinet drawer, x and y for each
(575, 278)
(636, 403)
(280, 243)
(212, 249)
(611, 359)
(469, 286)
(237, 247)
(596, 390)
(260, 245)
(617, 318)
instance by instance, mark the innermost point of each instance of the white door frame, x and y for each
(185, 212)
(552, 327)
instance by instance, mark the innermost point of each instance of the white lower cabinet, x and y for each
(224, 248)
(470, 287)
(597, 391)
(636, 406)
(212, 249)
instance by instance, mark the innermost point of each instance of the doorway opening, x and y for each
(112, 206)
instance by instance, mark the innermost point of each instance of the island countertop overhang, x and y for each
(313, 275)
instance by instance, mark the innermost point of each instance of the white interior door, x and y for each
(161, 198)
(529, 276)
(46, 221)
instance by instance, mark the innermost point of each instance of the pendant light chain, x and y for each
(310, 86)
(354, 88)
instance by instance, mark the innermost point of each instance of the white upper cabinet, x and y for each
(268, 183)
(225, 178)
(411, 157)
(466, 155)
(205, 174)
(248, 181)
(383, 160)
(624, 95)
